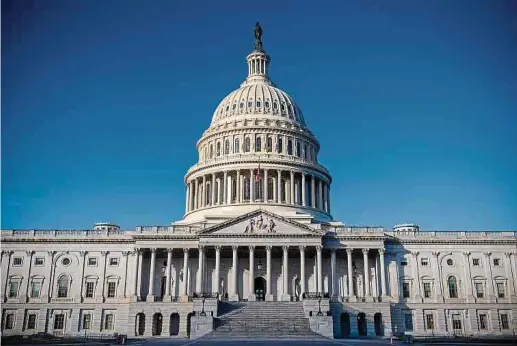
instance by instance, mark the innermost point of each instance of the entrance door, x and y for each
(260, 288)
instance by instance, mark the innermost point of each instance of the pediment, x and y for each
(260, 223)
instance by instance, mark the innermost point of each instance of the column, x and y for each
(150, 294)
(279, 187)
(251, 284)
(138, 288)
(328, 199)
(383, 274)
(217, 270)
(333, 290)
(489, 277)
(350, 272)
(234, 296)
(269, 294)
(285, 274)
(252, 185)
(203, 193)
(185, 273)
(416, 276)
(320, 271)
(238, 183)
(304, 201)
(192, 194)
(167, 297)
(437, 274)
(196, 193)
(187, 198)
(291, 185)
(199, 281)
(225, 188)
(302, 270)
(367, 291)
(509, 276)
(213, 189)
(313, 191)
(219, 197)
(266, 192)
(325, 198)
(320, 194)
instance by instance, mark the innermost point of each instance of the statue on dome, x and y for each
(258, 37)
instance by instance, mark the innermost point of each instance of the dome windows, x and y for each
(226, 147)
(289, 147)
(211, 151)
(250, 104)
(236, 146)
(227, 108)
(279, 145)
(218, 149)
(275, 105)
(266, 104)
(269, 144)
(283, 107)
(258, 144)
(234, 106)
(241, 105)
(247, 145)
(298, 149)
(259, 104)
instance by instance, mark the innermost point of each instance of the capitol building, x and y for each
(258, 252)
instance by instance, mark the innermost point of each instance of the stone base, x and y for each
(286, 298)
(149, 298)
(184, 299)
(201, 325)
(234, 297)
(368, 299)
(252, 297)
(167, 299)
(269, 298)
(322, 325)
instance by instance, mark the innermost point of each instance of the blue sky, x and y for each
(414, 104)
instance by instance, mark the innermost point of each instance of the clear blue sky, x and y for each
(414, 104)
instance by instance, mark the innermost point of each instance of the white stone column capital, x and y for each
(365, 251)
(268, 248)
(349, 250)
(251, 248)
(302, 248)
(415, 254)
(153, 250)
(509, 254)
(487, 254)
(285, 248)
(217, 248)
(235, 247)
(381, 251)
(169, 250)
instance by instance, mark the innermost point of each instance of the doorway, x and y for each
(361, 324)
(260, 288)
(174, 328)
(377, 322)
(157, 324)
(345, 325)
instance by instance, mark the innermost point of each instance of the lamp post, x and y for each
(203, 313)
(319, 306)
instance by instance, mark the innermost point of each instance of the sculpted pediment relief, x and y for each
(260, 223)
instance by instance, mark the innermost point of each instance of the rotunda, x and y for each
(257, 153)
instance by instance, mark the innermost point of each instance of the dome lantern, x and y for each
(258, 62)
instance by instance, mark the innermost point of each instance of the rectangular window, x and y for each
(13, 289)
(31, 321)
(92, 261)
(38, 261)
(497, 262)
(424, 262)
(403, 262)
(112, 287)
(108, 322)
(500, 290)
(59, 321)
(9, 321)
(87, 321)
(408, 321)
(456, 322)
(483, 321)
(429, 322)
(479, 289)
(17, 261)
(475, 262)
(89, 289)
(405, 290)
(36, 288)
(114, 261)
(427, 290)
(504, 322)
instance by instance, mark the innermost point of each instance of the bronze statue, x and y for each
(258, 37)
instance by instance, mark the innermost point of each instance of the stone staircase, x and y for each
(261, 320)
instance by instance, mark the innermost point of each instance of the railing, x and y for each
(169, 229)
(456, 234)
(359, 229)
(41, 233)
(315, 295)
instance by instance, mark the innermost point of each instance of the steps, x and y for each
(264, 320)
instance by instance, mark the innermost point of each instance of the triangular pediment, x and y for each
(260, 223)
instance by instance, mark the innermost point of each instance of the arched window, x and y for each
(269, 144)
(246, 189)
(280, 145)
(218, 149)
(259, 189)
(234, 190)
(247, 145)
(236, 146)
(62, 287)
(270, 188)
(453, 287)
(298, 149)
(211, 151)
(283, 189)
(216, 196)
(258, 144)
(289, 147)
(226, 147)
(305, 154)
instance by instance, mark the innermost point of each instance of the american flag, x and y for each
(257, 174)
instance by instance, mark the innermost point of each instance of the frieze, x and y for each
(261, 224)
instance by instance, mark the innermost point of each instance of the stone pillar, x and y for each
(266, 192)
(234, 296)
(511, 279)
(320, 194)
(302, 270)
(150, 294)
(138, 288)
(320, 271)
(251, 283)
(199, 281)
(291, 186)
(416, 276)
(252, 185)
(468, 277)
(167, 297)
(304, 201)
(350, 273)
(383, 274)
(313, 191)
(217, 270)
(269, 294)
(185, 274)
(213, 189)
(187, 198)
(238, 183)
(328, 199)
(196, 193)
(219, 197)
(489, 277)
(325, 197)
(226, 199)
(279, 187)
(333, 290)
(203, 193)
(286, 297)
(437, 274)
(367, 291)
